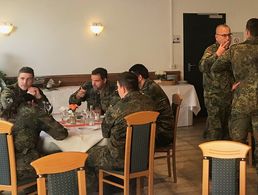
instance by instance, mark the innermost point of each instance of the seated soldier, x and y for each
(164, 135)
(111, 156)
(100, 93)
(28, 109)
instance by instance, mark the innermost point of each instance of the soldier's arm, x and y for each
(43, 102)
(7, 99)
(80, 95)
(207, 60)
(222, 63)
(108, 122)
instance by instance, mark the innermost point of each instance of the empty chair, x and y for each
(228, 167)
(8, 176)
(139, 153)
(64, 172)
(170, 150)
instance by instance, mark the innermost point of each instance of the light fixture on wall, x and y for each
(96, 28)
(6, 28)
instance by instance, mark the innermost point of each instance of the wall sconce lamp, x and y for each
(96, 28)
(6, 28)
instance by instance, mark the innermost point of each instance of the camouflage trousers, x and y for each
(99, 158)
(218, 109)
(240, 125)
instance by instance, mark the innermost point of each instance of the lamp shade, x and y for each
(6, 28)
(96, 28)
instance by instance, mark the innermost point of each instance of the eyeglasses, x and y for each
(225, 35)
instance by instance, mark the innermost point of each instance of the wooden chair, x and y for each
(139, 153)
(8, 177)
(170, 150)
(227, 157)
(61, 172)
(250, 143)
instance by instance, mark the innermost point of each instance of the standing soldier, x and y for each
(28, 108)
(243, 59)
(217, 87)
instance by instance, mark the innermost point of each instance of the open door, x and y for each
(199, 33)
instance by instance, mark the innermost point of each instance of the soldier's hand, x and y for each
(35, 92)
(222, 48)
(235, 85)
(81, 93)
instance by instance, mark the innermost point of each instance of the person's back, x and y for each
(243, 58)
(165, 119)
(164, 133)
(114, 125)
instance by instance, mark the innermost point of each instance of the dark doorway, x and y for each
(199, 30)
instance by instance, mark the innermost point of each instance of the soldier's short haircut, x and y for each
(222, 25)
(128, 80)
(252, 26)
(140, 69)
(26, 69)
(101, 71)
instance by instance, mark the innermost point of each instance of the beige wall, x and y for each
(53, 36)
(237, 13)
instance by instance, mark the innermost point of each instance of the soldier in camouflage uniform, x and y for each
(165, 120)
(27, 108)
(243, 59)
(217, 87)
(114, 126)
(100, 93)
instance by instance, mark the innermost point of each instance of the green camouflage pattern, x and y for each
(114, 126)
(217, 94)
(29, 120)
(13, 97)
(98, 99)
(243, 58)
(165, 119)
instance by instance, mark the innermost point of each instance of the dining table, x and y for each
(81, 137)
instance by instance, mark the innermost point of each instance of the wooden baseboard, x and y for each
(78, 79)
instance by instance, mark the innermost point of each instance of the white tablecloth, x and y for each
(80, 139)
(190, 103)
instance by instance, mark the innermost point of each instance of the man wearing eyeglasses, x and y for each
(217, 87)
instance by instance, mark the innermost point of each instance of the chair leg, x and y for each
(250, 153)
(138, 186)
(174, 165)
(100, 182)
(150, 184)
(126, 186)
(169, 163)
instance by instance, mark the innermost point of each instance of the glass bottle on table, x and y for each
(91, 115)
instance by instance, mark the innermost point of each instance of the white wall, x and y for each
(53, 36)
(237, 13)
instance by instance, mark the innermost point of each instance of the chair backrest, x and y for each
(176, 103)
(227, 157)
(65, 173)
(140, 141)
(8, 178)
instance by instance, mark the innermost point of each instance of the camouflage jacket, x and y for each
(162, 105)
(114, 125)
(29, 122)
(219, 83)
(243, 59)
(98, 99)
(12, 97)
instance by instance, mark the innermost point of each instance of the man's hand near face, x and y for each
(81, 93)
(35, 92)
